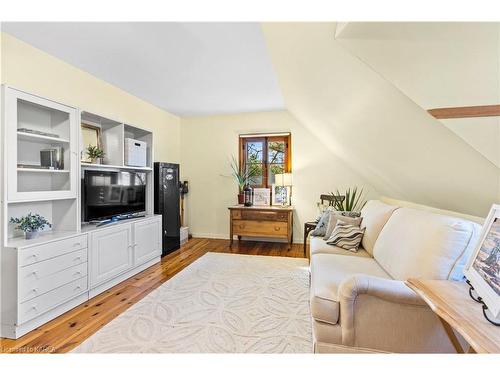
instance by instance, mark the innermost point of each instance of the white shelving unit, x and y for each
(51, 192)
(113, 134)
(72, 262)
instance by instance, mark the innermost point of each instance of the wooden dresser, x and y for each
(261, 221)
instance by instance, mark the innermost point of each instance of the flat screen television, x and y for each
(108, 193)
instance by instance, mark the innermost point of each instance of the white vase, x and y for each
(31, 235)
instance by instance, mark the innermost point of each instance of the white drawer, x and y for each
(40, 270)
(36, 306)
(52, 249)
(30, 286)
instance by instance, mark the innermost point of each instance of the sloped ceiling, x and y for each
(437, 65)
(371, 125)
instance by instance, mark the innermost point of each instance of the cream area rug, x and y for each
(221, 303)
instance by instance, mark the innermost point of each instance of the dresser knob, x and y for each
(34, 290)
(76, 244)
(277, 229)
(78, 273)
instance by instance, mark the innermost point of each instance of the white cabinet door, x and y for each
(111, 253)
(147, 244)
(41, 142)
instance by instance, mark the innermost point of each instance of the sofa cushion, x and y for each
(335, 216)
(375, 215)
(328, 271)
(419, 244)
(318, 245)
(346, 236)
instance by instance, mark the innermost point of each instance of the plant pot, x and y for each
(241, 198)
(31, 235)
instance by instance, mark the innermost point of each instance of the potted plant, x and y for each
(242, 177)
(95, 154)
(30, 224)
(353, 202)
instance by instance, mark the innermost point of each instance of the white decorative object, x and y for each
(221, 303)
(135, 152)
(261, 197)
(184, 232)
(483, 268)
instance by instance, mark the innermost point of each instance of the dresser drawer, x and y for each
(38, 305)
(30, 286)
(52, 249)
(260, 228)
(264, 215)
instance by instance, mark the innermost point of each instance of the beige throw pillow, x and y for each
(334, 217)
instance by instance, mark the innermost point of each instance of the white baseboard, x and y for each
(226, 237)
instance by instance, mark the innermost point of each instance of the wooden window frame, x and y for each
(265, 139)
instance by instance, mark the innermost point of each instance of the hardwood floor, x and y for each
(69, 330)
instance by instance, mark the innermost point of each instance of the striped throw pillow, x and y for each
(346, 236)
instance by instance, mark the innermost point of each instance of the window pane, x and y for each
(254, 152)
(273, 170)
(276, 152)
(256, 170)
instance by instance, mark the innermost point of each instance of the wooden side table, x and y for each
(309, 226)
(457, 311)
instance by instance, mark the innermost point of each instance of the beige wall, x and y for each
(29, 69)
(207, 146)
(373, 126)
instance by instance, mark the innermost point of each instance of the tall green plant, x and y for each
(243, 175)
(354, 200)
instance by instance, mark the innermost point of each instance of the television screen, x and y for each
(108, 193)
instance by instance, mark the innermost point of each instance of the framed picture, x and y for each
(261, 197)
(281, 195)
(91, 136)
(483, 267)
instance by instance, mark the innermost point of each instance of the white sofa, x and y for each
(360, 299)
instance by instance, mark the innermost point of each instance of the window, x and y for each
(265, 156)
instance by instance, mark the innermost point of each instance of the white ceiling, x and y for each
(188, 69)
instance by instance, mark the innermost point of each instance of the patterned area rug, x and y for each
(222, 303)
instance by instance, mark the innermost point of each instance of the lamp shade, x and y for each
(283, 179)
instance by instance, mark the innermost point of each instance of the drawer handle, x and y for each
(77, 244)
(34, 308)
(34, 290)
(78, 287)
(78, 258)
(277, 229)
(78, 273)
(34, 256)
(34, 273)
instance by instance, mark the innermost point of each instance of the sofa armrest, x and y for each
(387, 315)
(386, 289)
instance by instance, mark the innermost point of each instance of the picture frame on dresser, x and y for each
(261, 196)
(483, 267)
(281, 195)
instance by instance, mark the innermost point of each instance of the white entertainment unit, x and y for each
(71, 262)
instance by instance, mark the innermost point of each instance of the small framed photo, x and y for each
(261, 197)
(281, 195)
(483, 267)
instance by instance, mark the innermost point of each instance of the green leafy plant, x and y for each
(243, 175)
(94, 152)
(354, 200)
(30, 222)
